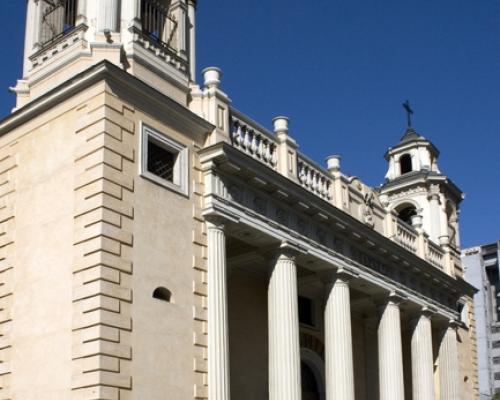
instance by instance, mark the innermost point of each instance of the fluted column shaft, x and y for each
(390, 352)
(338, 342)
(422, 362)
(218, 343)
(448, 365)
(284, 347)
(192, 38)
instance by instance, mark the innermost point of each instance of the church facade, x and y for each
(157, 243)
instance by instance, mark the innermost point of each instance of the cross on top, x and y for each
(409, 112)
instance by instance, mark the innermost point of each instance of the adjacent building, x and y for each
(156, 242)
(481, 270)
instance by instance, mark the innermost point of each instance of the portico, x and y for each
(271, 254)
(264, 328)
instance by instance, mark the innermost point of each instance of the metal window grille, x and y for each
(161, 162)
(157, 23)
(58, 17)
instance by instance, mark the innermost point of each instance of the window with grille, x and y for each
(164, 161)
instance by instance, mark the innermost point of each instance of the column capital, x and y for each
(453, 324)
(216, 222)
(394, 297)
(342, 274)
(288, 250)
(426, 311)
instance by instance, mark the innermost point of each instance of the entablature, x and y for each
(245, 190)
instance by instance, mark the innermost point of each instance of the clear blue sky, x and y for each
(340, 70)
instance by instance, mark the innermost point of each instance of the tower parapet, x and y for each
(151, 39)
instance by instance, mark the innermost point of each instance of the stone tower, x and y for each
(420, 194)
(153, 40)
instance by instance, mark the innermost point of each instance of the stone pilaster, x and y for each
(284, 349)
(200, 287)
(218, 340)
(103, 240)
(422, 362)
(448, 364)
(391, 378)
(338, 340)
(8, 172)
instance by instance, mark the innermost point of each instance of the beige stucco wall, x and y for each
(162, 335)
(42, 306)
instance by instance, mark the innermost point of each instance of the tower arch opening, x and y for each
(406, 164)
(406, 212)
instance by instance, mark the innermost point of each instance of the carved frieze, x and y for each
(280, 215)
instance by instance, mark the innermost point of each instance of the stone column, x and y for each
(284, 347)
(31, 37)
(448, 364)
(192, 39)
(218, 340)
(338, 340)
(81, 12)
(390, 359)
(107, 15)
(436, 219)
(422, 362)
(130, 19)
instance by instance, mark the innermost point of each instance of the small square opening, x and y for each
(164, 161)
(161, 162)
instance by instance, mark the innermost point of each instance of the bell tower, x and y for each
(153, 40)
(420, 194)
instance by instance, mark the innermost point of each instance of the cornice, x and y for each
(131, 88)
(224, 154)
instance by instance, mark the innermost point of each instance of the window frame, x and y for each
(181, 175)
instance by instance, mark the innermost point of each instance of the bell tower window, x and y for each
(406, 212)
(158, 24)
(406, 164)
(58, 18)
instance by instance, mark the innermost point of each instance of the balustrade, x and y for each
(434, 255)
(406, 236)
(253, 140)
(313, 178)
(260, 144)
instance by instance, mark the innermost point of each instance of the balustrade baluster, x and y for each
(253, 144)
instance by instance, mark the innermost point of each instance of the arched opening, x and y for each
(406, 164)
(310, 385)
(406, 212)
(163, 294)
